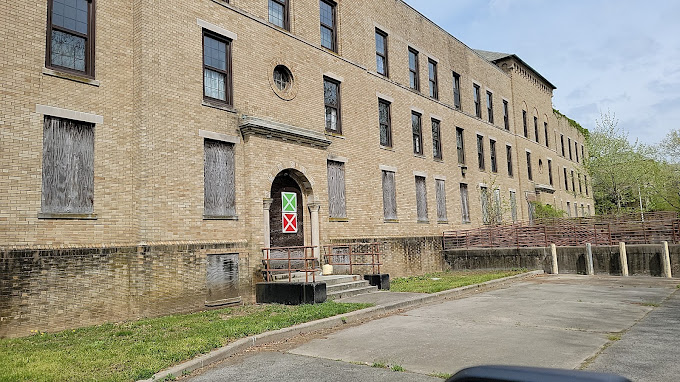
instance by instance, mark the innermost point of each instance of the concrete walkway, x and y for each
(550, 321)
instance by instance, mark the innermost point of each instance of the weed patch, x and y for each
(437, 282)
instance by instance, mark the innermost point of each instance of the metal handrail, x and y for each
(268, 270)
(374, 250)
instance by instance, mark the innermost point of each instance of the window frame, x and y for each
(576, 151)
(231, 148)
(90, 41)
(536, 130)
(437, 139)
(339, 212)
(530, 173)
(388, 104)
(524, 121)
(384, 56)
(562, 145)
(489, 105)
(338, 107)
(228, 86)
(506, 115)
(392, 196)
(415, 71)
(571, 157)
(460, 145)
(419, 134)
(286, 13)
(432, 78)
(465, 203)
(566, 180)
(492, 151)
(421, 199)
(480, 152)
(550, 173)
(440, 199)
(547, 139)
(456, 91)
(333, 28)
(508, 157)
(476, 95)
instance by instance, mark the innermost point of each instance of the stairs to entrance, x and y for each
(337, 286)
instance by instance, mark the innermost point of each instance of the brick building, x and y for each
(143, 143)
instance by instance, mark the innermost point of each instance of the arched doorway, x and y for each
(286, 215)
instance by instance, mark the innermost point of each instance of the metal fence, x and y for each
(289, 260)
(352, 256)
(598, 230)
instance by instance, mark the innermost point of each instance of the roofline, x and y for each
(528, 66)
(455, 38)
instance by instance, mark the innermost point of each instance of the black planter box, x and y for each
(290, 293)
(382, 281)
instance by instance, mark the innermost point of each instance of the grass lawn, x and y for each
(136, 350)
(437, 282)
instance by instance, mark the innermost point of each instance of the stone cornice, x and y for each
(257, 126)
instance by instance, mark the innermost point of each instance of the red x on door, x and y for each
(290, 223)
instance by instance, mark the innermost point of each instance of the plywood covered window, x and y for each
(336, 190)
(389, 195)
(441, 200)
(421, 198)
(219, 179)
(67, 167)
(464, 203)
(513, 205)
(70, 36)
(484, 193)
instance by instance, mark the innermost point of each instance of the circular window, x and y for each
(282, 77)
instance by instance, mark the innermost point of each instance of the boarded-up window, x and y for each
(441, 200)
(222, 278)
(513, 205)
(68, 166)
(219, 183)
(464, 204)
(497, 210)
(421, 198)
(389, 195)
(485, 205)
(336, 190)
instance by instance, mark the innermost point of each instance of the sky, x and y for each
(618, 56)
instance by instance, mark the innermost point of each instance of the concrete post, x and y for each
(553, 250)
(266, 204)
(314, 212)
(590, 268)
(666, 260)
(623, 258)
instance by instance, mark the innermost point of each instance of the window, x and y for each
(513, 205)
(573, 183)
(441, 200)
(575, 209)
(282, 77)
(576, 151)
(389, 196)
(506, 116)
(566, 181)
(529, 173)
(417, 133)
(536, 129)
(562, 143)
(385, 120)
(413, 69)
(568, 209)
(580, 185)
(460, 145)
(421, 199)
(70, 36)
(478, 102)
(497, 211)
(588, 209)
(381, 52)
(336, 190)
(331, 98)
(219, 188)
(328, 28)
(464, 203)
(508, 156)
(569, 145)
(432, 73)
(524, 121)
(583, 155)
(480, 152)
(456, 90)
(583, 210)
(550, 175)
(545, 129)
(67, 167)
(436, 140)
(486, 219)
(216, 69)
(489, 105)
(492, 149)
(278, 13)
(585, 181)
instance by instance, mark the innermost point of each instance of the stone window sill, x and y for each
(226, 108)
(219, 217)
(338, 220)
(66, 216)
(70, 76)
(391, 220)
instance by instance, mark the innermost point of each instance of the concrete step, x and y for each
(346, 286)
(329, 280)
(351, 292)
